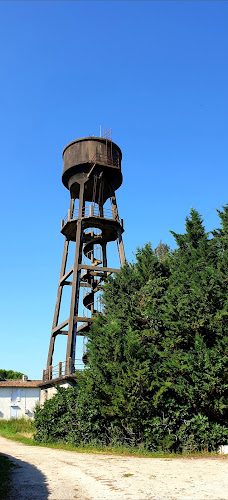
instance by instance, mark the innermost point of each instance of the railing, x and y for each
(91, 211)
(107, 134)
(63, 368)
(96, 305)
(106, 159)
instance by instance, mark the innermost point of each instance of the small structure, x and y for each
(18, 398)
(223, 449)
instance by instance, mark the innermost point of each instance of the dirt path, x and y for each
(44, 473)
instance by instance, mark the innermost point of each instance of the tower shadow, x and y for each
(27, 482)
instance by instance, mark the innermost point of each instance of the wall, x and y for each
(48, 393)
(18, 402)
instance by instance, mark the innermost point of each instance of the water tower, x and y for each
(92, 174)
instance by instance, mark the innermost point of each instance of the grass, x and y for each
(23, 430)
(5, 467)
(20, 430)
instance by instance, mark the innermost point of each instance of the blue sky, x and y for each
(157, 74)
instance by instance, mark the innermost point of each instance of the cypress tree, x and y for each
(157, 373)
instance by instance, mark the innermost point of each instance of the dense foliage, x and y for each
(157, 375)
(10, 374)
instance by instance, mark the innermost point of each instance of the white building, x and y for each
(18, 398)
(49, 389)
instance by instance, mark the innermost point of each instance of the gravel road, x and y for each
(44, 473)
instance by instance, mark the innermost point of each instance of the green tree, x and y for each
(157, 372)
(10, 374)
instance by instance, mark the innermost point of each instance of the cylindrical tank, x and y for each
(83, 158)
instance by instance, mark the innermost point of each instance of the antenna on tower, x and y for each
(100, 130)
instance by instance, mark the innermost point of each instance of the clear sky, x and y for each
(156, 72)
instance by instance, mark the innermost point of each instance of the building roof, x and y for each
(20, 383)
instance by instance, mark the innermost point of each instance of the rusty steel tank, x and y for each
(82, 156)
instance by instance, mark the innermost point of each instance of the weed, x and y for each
(22, 430)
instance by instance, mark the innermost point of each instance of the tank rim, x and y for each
(93, 138)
